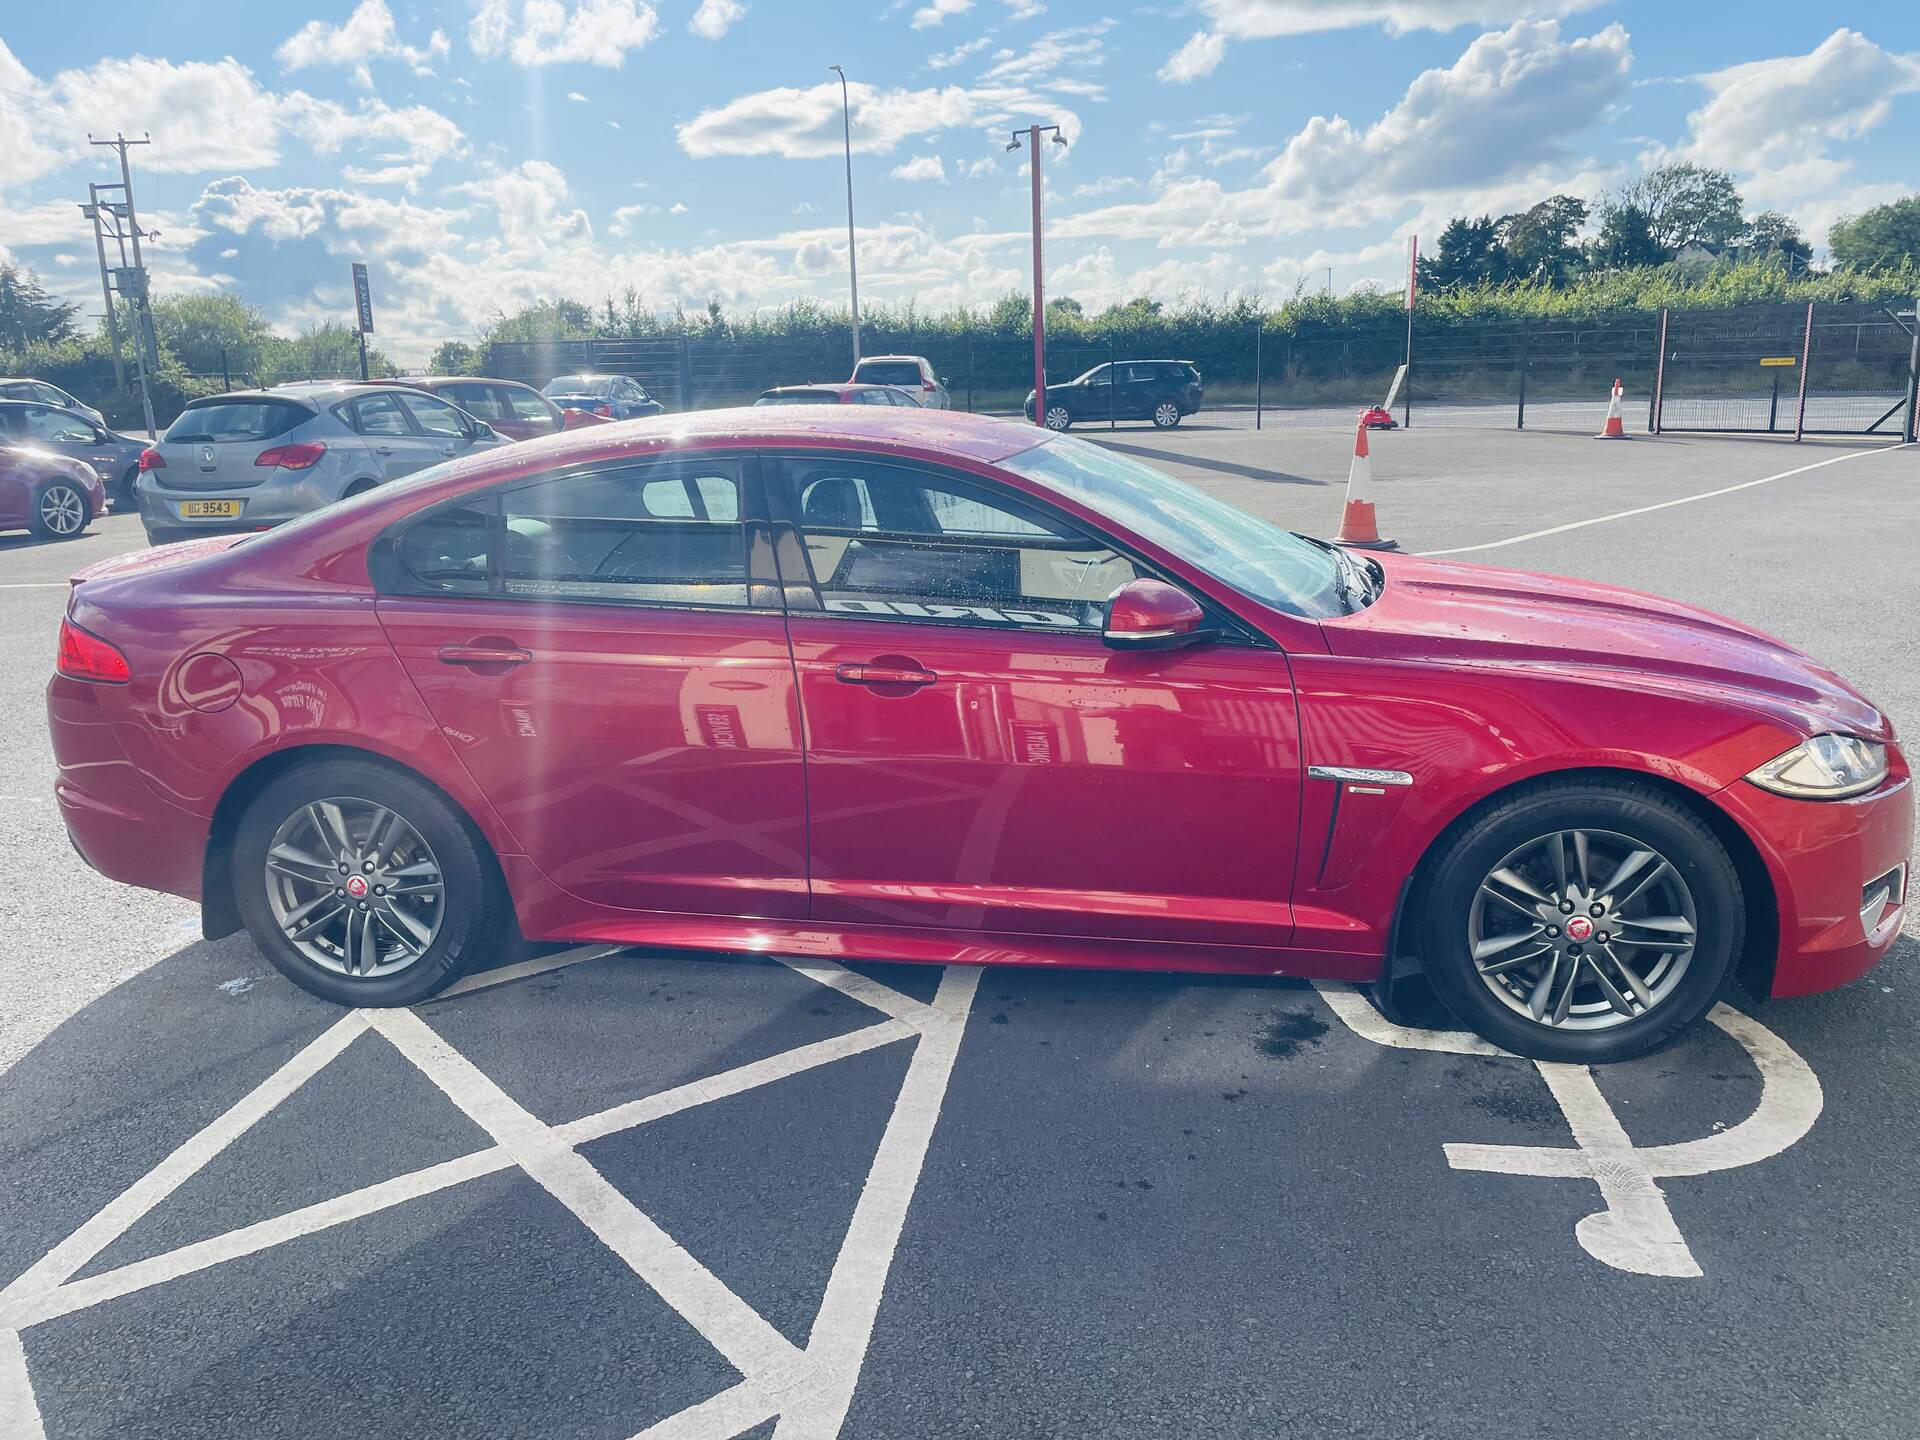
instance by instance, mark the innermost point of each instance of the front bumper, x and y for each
(1823, 858)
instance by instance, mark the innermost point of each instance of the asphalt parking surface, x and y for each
(909, 1202)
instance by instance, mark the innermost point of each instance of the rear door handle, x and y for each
(383, 449)
(884, 675)
(480, 655)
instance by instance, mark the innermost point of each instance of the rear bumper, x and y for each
(272, 502)
(117, 823)
(1823, 856)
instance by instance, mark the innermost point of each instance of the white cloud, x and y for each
(577, 97)
(921, 167)
(947, 59)
(547, 32)
(1105, 185)
(1776, 119)
(368, 34)
(800, 124)
(416, 135)
(1024, 9)
(1079, 49)
(23, 154)
(937, 11)
(203, 115)
(1505, 113)
(1196, 59)
(624, 218)
(715, 17)
(677, 208)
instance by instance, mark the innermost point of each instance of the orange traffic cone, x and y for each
(1615, 430)
(1357, 526)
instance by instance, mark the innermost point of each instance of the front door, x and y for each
(594, 649)
(978, 758)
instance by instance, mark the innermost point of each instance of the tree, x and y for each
(1468, 253)
(29, 315)
(1879, 239)
(1625, 241)
(326, 352)
(1538, 243)
(1773, 233)
(217, 336)
(451, 357)
(1687, 204)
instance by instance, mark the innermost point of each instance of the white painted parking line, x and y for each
(1636, 1232)
(811, 1388)
(522, 969)
(867, 991)
(1660, 505)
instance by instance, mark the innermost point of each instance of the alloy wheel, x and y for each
(1166, 415)
(63, 510)
(354, 887)
(1058, 418)
(1582, 929)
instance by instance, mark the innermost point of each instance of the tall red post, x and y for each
(1039, 290)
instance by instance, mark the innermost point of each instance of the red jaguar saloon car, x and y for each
(926, 686)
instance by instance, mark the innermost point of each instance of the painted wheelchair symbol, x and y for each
(1635, 1231)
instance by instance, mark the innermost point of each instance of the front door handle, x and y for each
(484, 655)
(383, 449)
(888, 672)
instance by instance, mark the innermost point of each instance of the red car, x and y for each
(928, 686)
(54, 497)
(517, 411)
(1376, 418)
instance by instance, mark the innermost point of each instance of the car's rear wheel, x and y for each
(362, 885)
(1058, 417)
(60, 511)
(1582, 921)
(1166, 415)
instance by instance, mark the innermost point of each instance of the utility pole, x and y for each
(92, 211)
(853, 266)
(1033, 134)
(132, 280)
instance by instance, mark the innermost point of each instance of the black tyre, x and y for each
(120, 492)
(363, 886)
(1581, 921)
(60, 511)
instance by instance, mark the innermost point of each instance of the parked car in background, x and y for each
(837, 394)
(911, 373)
(54, 497)
(517, 411)
(1377, 417)
(255, 458)
(611, 397)
(49, 394)
(113, 457)
(1163, 391)
(985, 693)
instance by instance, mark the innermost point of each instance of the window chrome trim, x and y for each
(1356, 775)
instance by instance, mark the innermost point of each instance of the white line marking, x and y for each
(58, 1264)
(731, 1326)
(1636, 1232)
(1661, 505)
(865, 989)
(34, 585)
(520, 970)
(843, 1329)
(19, 1411)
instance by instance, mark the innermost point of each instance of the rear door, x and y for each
(605, 649)
(65, 433)
(397, 446)
(978, 758)
(531, 412)
(447, 430)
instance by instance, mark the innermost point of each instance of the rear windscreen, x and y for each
(237, 420)
(888, 372)
(801, 397)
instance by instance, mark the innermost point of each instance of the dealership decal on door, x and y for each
(957, 612)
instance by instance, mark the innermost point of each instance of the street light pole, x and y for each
(1033, 134)
(853, 267)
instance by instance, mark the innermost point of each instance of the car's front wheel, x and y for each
(1058, 417)
(362, 885)
(1166, 415)
(1581, 921)
(60, 511)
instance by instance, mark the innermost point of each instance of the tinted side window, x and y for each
(378, 415)
(890, 542)
(446, 551)
(436, 417)
(56, 427)
(636, 535)
(525, 405)
(481, 400)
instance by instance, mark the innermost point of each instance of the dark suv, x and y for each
(1162, 391)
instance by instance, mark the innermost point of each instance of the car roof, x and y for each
(865, 358)
(433, 382)
(313, 392)
(840, 387)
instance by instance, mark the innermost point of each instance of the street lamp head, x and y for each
(1059, 139)
(838, 71)
(1013, 144)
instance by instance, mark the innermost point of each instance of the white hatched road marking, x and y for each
(1636, 1231)
(808, 1389)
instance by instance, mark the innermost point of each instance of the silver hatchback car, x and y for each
(255, 458)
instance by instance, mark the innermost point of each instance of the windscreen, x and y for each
(236, 420)
(888, 372)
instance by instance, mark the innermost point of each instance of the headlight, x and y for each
(1827, 767)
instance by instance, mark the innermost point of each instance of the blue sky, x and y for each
(481, 153)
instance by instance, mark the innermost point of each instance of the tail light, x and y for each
(85, 656)
(292, 457)
(151, 459)
(603, 410)
(929, 386)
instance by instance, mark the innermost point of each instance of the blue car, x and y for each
(611, 397)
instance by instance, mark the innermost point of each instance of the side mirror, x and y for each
(1153, 615)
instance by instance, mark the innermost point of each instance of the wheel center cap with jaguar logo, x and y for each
(1579, 928)
(357, 886)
